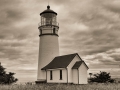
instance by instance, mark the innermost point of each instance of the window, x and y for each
(60, 74)
(51, 75)
(54, 31)
(40, 32)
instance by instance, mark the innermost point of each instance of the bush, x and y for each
(6, 78)
(102, 77)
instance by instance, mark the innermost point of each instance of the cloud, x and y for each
(104, 60)
(102, 33)
(113, 6)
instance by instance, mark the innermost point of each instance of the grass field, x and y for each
(61, 87)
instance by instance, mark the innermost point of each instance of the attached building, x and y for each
(66, 69)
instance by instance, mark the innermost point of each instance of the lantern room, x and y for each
(48, 23)
(48, 17)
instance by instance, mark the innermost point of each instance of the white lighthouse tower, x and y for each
(48, 46)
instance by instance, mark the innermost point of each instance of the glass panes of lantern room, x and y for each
(48, 19)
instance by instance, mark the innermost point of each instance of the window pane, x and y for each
(60, 74)
(50, 75)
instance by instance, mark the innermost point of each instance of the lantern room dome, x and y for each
(48, 10)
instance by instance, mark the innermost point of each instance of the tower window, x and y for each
(60, 74)
(51, 76)
(40, 31)
(54, 31)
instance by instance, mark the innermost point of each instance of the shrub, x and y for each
(6, 78)
(102, 77)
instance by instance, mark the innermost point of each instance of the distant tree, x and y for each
(90, 75)
(102, 77)
(6, 78)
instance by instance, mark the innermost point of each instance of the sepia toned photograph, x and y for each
(60, 45)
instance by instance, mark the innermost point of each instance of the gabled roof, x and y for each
(60, 61)
(78, 64)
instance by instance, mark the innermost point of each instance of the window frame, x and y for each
(61, 75)
(54, 30)
(51, 75)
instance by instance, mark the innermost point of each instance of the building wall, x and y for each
(47, 31)
(70, 72)
(75, 76)
(56, 31)
(56, 76)
(48, 49)
(83, 74)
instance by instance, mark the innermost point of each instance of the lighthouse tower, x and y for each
(48, 44)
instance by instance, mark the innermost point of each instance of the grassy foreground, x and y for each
(61, 87)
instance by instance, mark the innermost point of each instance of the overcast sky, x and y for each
(90, 28)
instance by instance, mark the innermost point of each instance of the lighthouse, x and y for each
(48, 42)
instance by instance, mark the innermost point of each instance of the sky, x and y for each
(90, 28)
